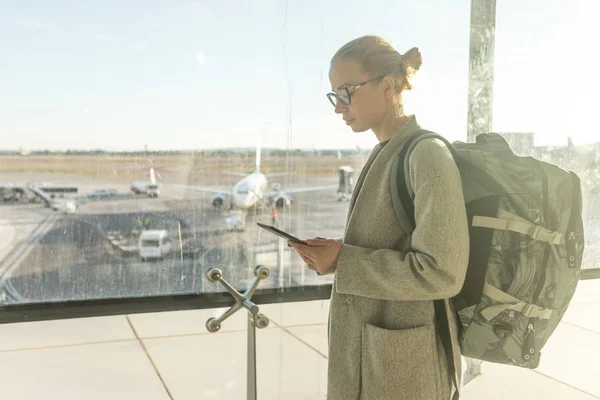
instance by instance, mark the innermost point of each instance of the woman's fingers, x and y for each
(306, 259)
(304, 254)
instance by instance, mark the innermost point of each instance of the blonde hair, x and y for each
(379, 58)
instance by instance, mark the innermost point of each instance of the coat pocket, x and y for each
(398, 364)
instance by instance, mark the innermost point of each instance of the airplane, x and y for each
(249, 191)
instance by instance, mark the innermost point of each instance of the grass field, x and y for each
(169, 166)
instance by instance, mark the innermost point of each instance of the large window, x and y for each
(154, 112)
(196, 120)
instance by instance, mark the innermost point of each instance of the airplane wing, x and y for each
(279, 174)
(236, 174)
(301, 190)
(197, 189)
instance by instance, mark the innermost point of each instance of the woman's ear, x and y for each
(389, 87)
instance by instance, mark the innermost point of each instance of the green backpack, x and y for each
(526, 247)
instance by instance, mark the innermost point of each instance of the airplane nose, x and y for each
(250, 199)
(246, 200)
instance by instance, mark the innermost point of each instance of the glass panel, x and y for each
(127, 124)
(544, 93)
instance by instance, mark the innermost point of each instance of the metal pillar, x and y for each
(481, 68)
(481, 92)
(255, 319)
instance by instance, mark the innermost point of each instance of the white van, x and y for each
(235, 221)
(154, 244)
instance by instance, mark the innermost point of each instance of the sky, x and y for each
(121, 75)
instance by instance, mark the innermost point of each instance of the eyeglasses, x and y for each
(343, 94)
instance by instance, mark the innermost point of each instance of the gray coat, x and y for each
(382, 338)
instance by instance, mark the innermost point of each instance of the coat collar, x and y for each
(408, 129)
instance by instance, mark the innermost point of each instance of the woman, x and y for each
(383, 341)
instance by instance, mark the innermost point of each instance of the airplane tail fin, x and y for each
(257, 170)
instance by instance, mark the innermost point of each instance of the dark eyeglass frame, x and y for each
(333, 96)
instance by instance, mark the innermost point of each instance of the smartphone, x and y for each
(282, 234)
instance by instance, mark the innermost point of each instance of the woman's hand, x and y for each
(320, 255)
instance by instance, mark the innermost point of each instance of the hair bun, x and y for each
(413, 59)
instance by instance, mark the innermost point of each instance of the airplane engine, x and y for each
(217, 201)
(282, 201)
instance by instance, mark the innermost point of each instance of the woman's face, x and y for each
(367, 102)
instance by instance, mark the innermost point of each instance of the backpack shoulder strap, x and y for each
(402, 192)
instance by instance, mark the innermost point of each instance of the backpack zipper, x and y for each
(529, 346)
(529, 343)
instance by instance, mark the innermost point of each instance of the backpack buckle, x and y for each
(528, 308)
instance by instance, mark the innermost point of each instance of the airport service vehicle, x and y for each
(346, 185)
(10, 192)
(11, 196)
(59, 198)
(58, 190)
(66, 206)
(101, 193)
(152, 190)
(154, 244)
(149, 188)
(235, 221)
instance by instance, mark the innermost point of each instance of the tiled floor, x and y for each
(171, 356)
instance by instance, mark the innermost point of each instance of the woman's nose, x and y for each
(339, 107)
